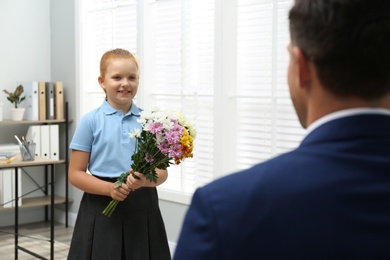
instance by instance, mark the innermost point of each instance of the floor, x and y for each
(34, 237)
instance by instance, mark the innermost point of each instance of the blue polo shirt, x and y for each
(104, 133)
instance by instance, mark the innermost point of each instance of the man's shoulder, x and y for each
(281, 163)
(260, 176)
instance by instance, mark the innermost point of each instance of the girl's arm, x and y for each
(82, 180)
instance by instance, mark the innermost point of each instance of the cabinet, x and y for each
(49, 198)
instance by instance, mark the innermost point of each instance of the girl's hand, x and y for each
(120, 193)
(135, 180)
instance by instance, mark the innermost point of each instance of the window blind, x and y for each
(106, 24)
(183, 67)
(184, 81)
(267, 123)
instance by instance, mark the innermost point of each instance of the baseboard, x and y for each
(26, 215)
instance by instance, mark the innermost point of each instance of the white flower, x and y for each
(136, 133)
(141, 120)
(159, 139)
(191, 131)
(182, 120)
(145, 116)
(154, 109)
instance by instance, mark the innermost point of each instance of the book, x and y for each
(10, 147)
(59, 100)
(7, 160)
(45, 141)
(42, 100)
(7, 154)
(31, 102)
(49, 100)
(54, 142)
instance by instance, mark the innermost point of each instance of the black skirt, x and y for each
(135, 231)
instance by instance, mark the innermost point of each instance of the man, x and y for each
(330, 197)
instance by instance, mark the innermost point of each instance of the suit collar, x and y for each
(351, 127)
(345, 113)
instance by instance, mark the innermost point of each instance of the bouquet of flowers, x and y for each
(165, 139)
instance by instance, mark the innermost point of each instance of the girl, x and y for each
(101, 151)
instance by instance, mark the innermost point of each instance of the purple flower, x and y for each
(175, 151)
(176, 127)
(172, 137)
(149, 158)
(164, 147)
(156, 128)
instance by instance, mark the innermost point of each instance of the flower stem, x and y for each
(110, 208)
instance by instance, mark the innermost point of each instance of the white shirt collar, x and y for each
(345, 113)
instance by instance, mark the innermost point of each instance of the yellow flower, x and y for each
(187, 144)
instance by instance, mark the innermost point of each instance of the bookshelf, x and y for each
(49, 198)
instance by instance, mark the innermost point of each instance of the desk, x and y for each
(47, 163)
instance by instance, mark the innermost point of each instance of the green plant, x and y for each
(15, 97)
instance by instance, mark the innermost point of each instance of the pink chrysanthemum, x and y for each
(164, 147)
(172, 137)
(175, 151)
(156, 128)
(149, 158)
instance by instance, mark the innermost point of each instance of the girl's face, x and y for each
(120, 83)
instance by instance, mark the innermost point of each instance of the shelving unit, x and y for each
(48, 199)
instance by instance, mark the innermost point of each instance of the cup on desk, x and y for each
(28, 151)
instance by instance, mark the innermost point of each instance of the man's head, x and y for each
(348, 41)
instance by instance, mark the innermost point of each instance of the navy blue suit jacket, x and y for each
(327, 199)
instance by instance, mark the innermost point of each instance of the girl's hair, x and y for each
(115, 54)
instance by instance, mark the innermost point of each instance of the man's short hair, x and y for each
(349, 43)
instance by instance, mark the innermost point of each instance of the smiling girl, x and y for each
(101, 150)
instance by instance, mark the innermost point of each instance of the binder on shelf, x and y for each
(49, 100)
(54, 142)
(42, 100)
(45, 141)
(32, 101)
(59, 100)
(34, 136)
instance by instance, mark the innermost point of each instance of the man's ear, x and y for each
(303, 63)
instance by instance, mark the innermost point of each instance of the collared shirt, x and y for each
(104, 133)
(345, 113)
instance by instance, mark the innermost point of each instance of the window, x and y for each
(105, 24)
(222, 63)
(267, 124)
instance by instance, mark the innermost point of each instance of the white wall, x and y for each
(24, 55)
(24, 45)
(63, 67)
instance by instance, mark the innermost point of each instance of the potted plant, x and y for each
(16, 98)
